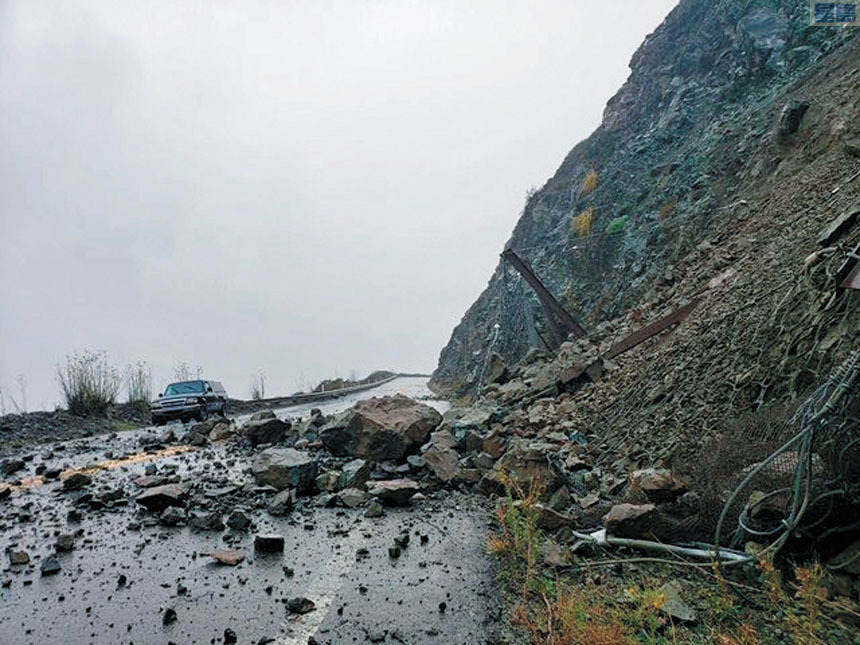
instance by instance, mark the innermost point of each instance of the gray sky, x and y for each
(305, 188)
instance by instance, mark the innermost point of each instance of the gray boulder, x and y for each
(390, 427)
(265, 427)
(158, 498)
(281, 504)
(394, 492)
(354, 474)
(286, 468)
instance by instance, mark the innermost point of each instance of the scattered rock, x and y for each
(9, 466)
(65, 542)
(394, 492)
(791, 116)
(524, 463)
(149, 481)
(328, 481)
(76, 481)
(171, 516)
(444, 462)
(19, 557)
(221, 431)
(226, 556)
(629, 520)
(300, 605)
(269, 543)
(354, 474)
(169, 616)
(238, 520)
(374, 509)
(352, 497)
(281, 504)
(674, 606)
(160, 497)
(206, 521)
(497, 370)
(50, 566)
(658, 484)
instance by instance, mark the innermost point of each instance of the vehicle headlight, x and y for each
(155, 404)
(191, 401)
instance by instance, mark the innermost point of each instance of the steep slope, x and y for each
(705, 117)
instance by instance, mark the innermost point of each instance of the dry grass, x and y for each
(138, 379)
(89, 383)
(551, 608)
(668, 209)
(590, 183)
(584, 222)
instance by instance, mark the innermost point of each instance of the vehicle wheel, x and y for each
(203, 414)
(158, 422)
(224, 410)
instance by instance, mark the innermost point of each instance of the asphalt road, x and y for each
(123, 577)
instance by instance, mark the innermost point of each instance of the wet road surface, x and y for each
(127, 574)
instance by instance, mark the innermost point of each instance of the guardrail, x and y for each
(310, 397)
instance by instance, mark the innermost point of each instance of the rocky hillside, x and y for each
(727, 105)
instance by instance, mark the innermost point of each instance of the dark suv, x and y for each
(188, 400)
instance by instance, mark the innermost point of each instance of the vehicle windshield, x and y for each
(186, 387)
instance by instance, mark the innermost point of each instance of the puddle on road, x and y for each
(108, 464)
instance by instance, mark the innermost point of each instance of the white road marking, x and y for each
(322, 591)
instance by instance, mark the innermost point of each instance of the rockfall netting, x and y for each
(792, 475)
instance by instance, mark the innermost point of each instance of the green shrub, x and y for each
(617, 225)
(89, 383)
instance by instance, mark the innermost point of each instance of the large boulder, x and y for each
(265, 427)
(285, 468)
(390, 427)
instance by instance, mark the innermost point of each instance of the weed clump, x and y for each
(89, 383)
(138, 378)
(584, 222)
(590, 183)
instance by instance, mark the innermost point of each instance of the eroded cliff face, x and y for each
(705, 113)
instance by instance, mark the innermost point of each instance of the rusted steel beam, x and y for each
(641, 335)
(560, 320)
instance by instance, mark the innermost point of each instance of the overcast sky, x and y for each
(303, 188)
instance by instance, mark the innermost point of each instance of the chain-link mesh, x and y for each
(791, 475)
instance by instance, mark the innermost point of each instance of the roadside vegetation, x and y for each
(185, 372)
(622, 598)
(258, 386)
(138, 378)
(89, 383)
